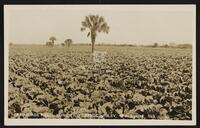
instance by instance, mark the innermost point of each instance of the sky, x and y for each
(130, 24)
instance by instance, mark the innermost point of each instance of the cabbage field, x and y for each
(131, 83)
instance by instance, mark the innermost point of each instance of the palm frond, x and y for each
(84, 24)
(83, 29)
(95, 23)
(88, 34)
(101, 20)
(88, 21)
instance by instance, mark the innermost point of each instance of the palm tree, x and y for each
(94, 23)
(52, 39)
(68, 42)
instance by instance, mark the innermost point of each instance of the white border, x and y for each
(102, 122)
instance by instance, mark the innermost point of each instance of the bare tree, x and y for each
(94, 23)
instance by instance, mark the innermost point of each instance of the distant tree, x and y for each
(68, 42)
(166, 45)
(53, 39)
(63, 44)
(155, 45)
(94, 23)
(10, 43)
(48, 43)
(172, 44)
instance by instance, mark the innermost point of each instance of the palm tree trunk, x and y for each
(93, 41)
(52, 42)
(92, 47)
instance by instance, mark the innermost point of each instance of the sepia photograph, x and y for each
(100, 64)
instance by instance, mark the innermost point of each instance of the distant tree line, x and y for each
(172, 45)
(155, 45)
